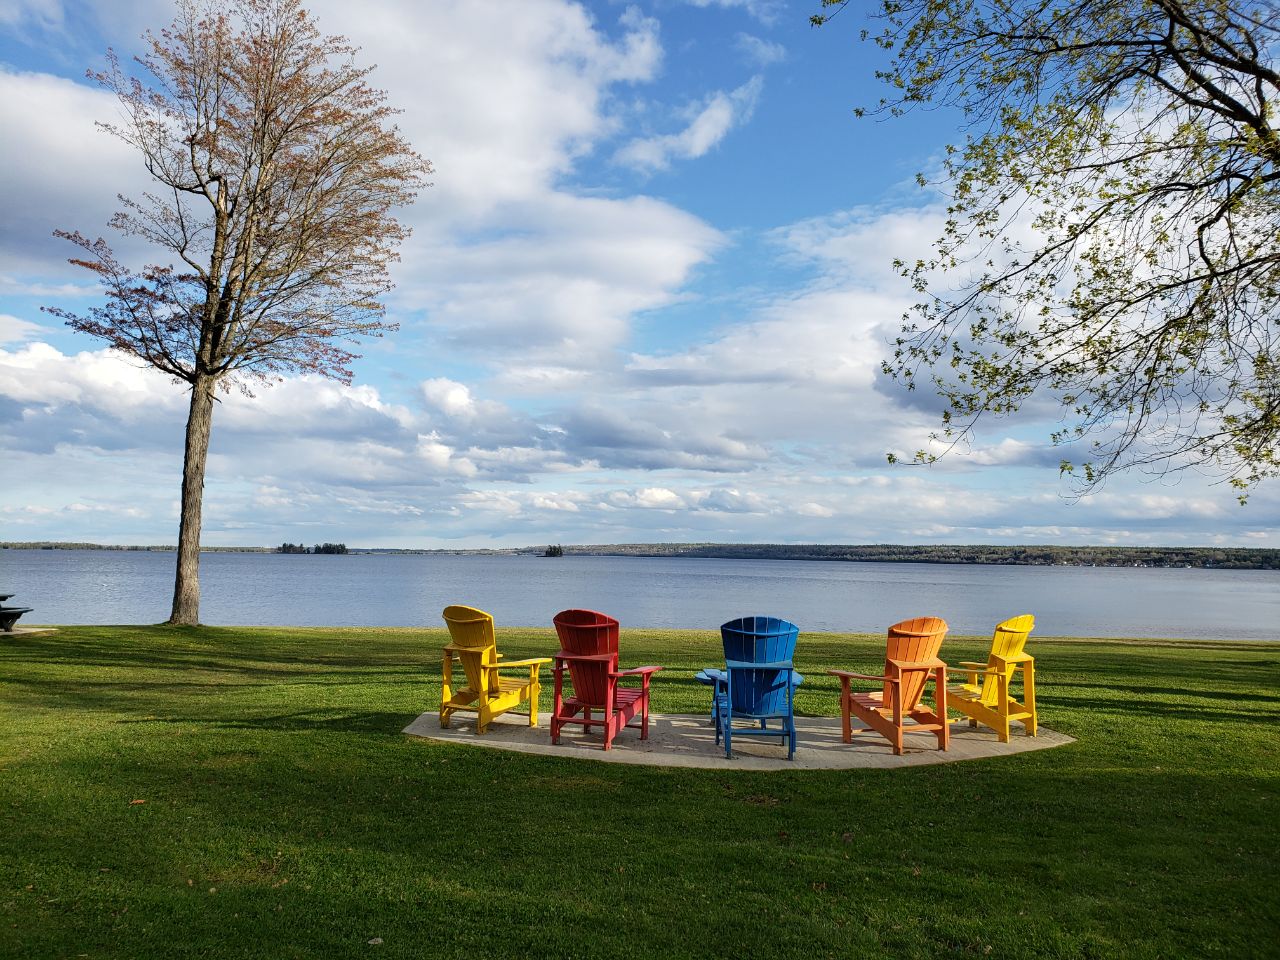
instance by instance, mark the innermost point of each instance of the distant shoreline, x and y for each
(1224, 558)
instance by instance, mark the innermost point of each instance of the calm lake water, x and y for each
(109, 586)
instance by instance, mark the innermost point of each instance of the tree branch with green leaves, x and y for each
(1113, 224)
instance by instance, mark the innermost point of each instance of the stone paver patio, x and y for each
(677, 740)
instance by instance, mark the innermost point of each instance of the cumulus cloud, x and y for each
(511, 93)
(561, 288)
(708, 123)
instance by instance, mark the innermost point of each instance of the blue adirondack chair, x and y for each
(759, 681)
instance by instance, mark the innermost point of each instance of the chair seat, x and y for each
(622, 697)
(872, 700)
(504, 686)
(722, 705)
(509, 686)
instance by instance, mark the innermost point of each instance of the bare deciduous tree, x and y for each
(279, 172)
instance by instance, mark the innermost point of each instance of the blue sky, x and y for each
(646, 299)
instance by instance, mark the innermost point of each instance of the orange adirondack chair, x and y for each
(911, 661)
(589, 646)
(487, 693)
(990, 701)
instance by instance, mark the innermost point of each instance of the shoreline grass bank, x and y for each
(285, 815)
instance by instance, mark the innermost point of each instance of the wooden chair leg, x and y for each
(940, 698)
(1029, 696)
(898, 719)
(557, 706)
(1002, 707)
(846, 707)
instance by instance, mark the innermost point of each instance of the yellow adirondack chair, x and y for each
(487, 693)
(991, 700)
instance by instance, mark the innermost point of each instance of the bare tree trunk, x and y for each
(186, 584)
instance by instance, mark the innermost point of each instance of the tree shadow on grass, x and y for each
(332, 719)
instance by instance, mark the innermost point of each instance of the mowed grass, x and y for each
(283, 813)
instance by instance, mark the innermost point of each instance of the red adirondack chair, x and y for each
(911, 661)
(589, 646)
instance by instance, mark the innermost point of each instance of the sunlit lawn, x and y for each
(283, 814)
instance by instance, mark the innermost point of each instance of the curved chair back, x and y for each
(472, 629)
(917, 639)
(589, 632)
(760, 640)
(1009, 641)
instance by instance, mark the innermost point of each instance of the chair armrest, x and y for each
(635, 672)
(983, 669)
(915, 666)
(588, 657)
(749, 665)
(1019, 659)
(532, 661)
(972, 664)
(863, 676)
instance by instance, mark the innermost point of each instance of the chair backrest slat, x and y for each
(760, 640)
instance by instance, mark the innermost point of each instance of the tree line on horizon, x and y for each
(1232, 558)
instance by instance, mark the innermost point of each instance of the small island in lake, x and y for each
(325, 548)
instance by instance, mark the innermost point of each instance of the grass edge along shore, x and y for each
(234, 792)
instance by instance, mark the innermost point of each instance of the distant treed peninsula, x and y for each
(1228, 558)
(1235, 558)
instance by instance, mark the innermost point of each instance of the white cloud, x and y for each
(107, 381)
(16, 330)
(452, 398)
(45, 14)
(63, 174)
(563, 286)
(766, 11)
(708, 124)
(759, 52)
(440, 457)
(812, 509)
(507, 94)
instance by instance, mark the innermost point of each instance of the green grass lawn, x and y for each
(286, 816)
